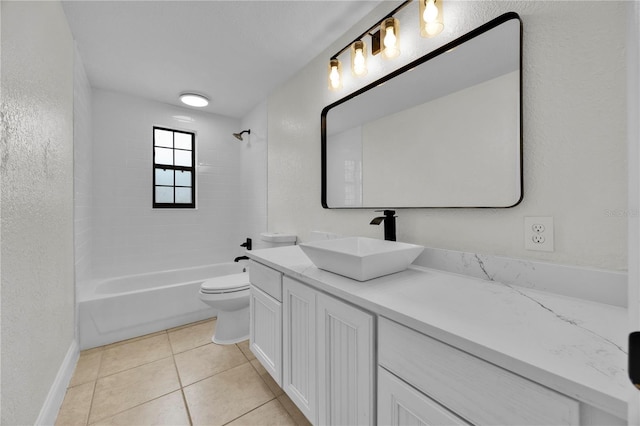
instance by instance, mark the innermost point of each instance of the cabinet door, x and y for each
(266, 332)
(401, 404)
(345, 363)
(299, 346)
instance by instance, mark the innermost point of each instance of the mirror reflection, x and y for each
(443, 131)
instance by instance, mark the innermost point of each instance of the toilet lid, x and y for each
(226, 283)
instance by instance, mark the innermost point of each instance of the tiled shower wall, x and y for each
(129, 236)
(82, 176)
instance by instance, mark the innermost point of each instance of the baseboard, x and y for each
(51, 406)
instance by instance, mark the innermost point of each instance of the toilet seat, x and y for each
(226, 284)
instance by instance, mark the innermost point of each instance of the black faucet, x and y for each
(389, 220)
(247, 244)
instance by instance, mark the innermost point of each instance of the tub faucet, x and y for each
(389, 220)
(239, 258)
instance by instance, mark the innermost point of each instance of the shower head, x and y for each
(239, 135)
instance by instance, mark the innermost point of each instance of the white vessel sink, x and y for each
(361, 258)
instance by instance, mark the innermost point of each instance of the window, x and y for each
(174, 171)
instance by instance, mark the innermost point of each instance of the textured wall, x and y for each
(37, 204)
(129, 236)
(82, 173)
(574, 137)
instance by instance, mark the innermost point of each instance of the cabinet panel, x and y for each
(299, 346)
(401, 404)
(267, 279)
(266, 332)
(476, 390)
(345, 363)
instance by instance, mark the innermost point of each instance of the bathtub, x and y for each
(115, 309)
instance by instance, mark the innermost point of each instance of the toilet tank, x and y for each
(276, 239)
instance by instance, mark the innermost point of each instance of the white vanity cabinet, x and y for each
(454, 385)
(328, 359)
(265, 338)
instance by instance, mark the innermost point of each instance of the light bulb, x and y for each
(334, 77)
(389, 38)
(430, 12)
(359, 63)
(433, 28)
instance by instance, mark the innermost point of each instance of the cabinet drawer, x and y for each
(399, 404)
(267, 279)
(476, 390)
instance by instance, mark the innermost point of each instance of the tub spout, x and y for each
(239, 258)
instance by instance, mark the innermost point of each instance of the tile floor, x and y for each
(175, 377)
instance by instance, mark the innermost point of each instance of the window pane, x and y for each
(164, 156)
(164, 194)
(163, 138)
(183, 141)
(183, 195)
(183, 178)
(164, 177)
(183, 158)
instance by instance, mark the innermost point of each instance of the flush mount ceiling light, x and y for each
(194, 100)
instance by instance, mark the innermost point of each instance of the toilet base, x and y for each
(231, 327)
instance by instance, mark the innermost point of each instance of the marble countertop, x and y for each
(573, 346)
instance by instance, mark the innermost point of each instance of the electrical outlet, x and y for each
(538, 233)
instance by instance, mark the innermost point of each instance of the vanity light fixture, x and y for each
(431, 18)
(194, 100)
(359, 58)
(390, 33)
(335, 74)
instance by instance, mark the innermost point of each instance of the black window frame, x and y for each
(192, 169)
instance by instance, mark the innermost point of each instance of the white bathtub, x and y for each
(120, 308)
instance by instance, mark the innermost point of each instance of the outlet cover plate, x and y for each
(530, 223)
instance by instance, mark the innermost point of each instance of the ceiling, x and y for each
(233, 52)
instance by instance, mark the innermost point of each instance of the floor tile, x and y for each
(204, 361)
(244, 347)
(264, 374)
(293, 411)
(127, 389)
(271, 413)
(226, 396)
(76, 405)
(87, 367)
(122, 357)
(167, 410)
(191, 337)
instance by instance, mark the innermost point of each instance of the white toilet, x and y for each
(229, 294)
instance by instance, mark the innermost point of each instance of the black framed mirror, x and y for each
(444, 131)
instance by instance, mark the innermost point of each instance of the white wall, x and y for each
(253, 174)
(129, 236)
(37, 204)
(82, 172)
(574, 137)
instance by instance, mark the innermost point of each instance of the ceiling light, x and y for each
(194, 100)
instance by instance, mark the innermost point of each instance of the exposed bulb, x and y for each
(430, 12)
(433, 28)
(359, 67)
(389, 37)
(334, 77)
